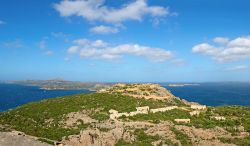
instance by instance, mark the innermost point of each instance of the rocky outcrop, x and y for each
(97, 137)
(16, 138)
(94, 138)
(76, 118)
(207, 137)
(163, 129)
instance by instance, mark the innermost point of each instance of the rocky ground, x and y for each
(16, 138)
(116, 131)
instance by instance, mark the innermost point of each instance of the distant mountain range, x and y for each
(59, 84)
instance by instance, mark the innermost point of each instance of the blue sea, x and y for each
(12, 95)
(211, 94)
(215, 94)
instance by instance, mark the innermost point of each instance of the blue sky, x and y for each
(121, 40)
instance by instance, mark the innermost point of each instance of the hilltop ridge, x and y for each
(147, 91)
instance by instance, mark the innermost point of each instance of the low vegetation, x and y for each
(183, 138)
(236, 116)
(238, 141)
(142, 139)
(31, 118)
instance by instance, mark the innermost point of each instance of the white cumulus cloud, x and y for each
(99, 49)
(96, 10)
(205, 49)
(221, 40)
(237, 68)
(231, 50)
(89, 43)
(104, 29)
(73, 50)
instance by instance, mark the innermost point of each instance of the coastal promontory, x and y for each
(126, 114)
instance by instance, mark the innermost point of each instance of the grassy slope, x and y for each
(31, 118)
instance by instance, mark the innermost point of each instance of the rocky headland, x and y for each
(125, 114)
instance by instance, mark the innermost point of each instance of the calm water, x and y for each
(215, 94)
(12, 95)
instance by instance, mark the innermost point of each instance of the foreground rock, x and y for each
(125, 131)
(19, 139)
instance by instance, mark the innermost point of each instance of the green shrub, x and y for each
(238, 141)
(183, 138)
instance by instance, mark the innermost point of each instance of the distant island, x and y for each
(182, 85)
(125, 115)
(59, 84)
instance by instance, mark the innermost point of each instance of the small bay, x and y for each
(13, 95)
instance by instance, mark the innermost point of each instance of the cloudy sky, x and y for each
(125, 40)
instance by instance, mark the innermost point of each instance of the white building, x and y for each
(182, 120)
(198, 107)
(139, 110)
(219, 118)
(194, 113)
(143, 110)
(163, 109)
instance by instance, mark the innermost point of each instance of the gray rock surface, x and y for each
(19, 139)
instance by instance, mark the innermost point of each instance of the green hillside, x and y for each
(44, 119)
(31, 118)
